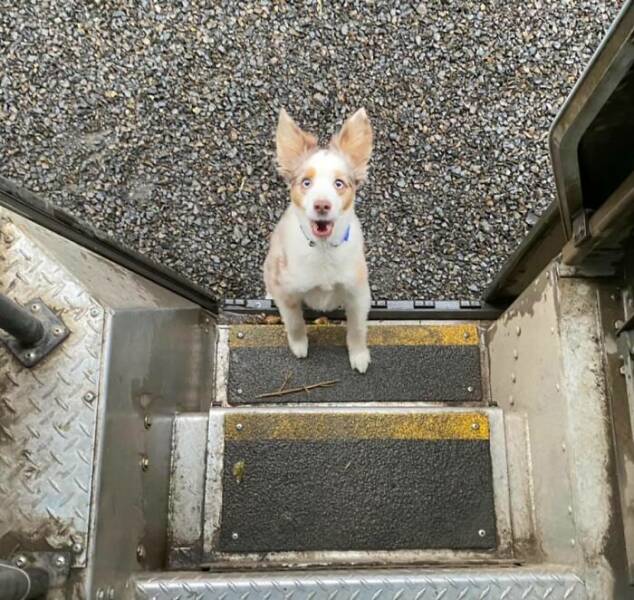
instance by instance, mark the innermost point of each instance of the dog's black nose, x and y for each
(322, 207)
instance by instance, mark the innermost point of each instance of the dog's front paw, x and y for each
(299, 347)
(360, 360)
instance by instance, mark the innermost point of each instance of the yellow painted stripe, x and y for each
(259, 336)
(362, 426)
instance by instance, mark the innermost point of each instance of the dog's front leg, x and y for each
(357, 309)
(291, 313)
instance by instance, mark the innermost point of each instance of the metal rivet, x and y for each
(89, 397)
(60, 561)
(234, 535)
(572, 542)
(29, 355)
(482, 532)
(240, 335)
(35, 307)
(147, 421)
(239, 391)
(622, 370)
(145, 463)
(569, 509)
(94, 312)
(57, 331)
(513, 377)
(470, 388)
(563, 447)
(557, 387)
(511, 400)
(140, 553)
(518, 330)
(77, 548)
(618, 324)
(20, 561)
(466, 335)
(515, 354)
(110, 594)
(475, 426)
(239, 426)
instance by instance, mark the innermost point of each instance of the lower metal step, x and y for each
(495, 583)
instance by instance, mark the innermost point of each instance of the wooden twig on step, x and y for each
(305, 388)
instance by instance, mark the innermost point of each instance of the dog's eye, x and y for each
(339, 184)
(306, 182)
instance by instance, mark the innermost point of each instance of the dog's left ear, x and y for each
(355, 141)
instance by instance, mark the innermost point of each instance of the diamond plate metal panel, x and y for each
(464, 584)
(47, 413)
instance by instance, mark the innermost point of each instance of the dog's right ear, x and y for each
(292, 145)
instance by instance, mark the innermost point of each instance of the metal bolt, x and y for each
(35, 307)
(234, 535)
(240, 335)
(618, 324)
(140, 553)
(20, 561)
(239, 426)
(94, 312)
(482, 532)
(475, 426)
(470, 388)
(29, 355)
(89, 396)
(147, 421)
(518, 330)
(77, 548)
(145, 463)
(60, 561)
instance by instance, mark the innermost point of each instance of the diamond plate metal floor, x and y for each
(448, 584)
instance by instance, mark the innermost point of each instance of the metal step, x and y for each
(419, 362)
(494, 583)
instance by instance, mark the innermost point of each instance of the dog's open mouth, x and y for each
(322, 229)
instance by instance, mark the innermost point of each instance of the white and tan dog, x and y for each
(316, 255)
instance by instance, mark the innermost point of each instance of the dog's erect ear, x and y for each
(292, 145)
(355, 142)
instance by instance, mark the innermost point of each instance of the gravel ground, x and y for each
(154, 121)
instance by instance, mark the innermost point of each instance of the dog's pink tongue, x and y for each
(322, 229)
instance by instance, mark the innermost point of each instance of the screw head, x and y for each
(94, 312)
(513, 377)
(147, 421)
(57, 331)
(466, 335)
(20, 561)
(29, 355)
(622, 370)
(60, 561)
(511, 400)
(234, 535)
(470, 388)
(482, 532)
(145, 463)
(89, 396)
(77, 547)
(515, 354)
(35, 307)
(475, 426)
(140, 553)
(240, 335)
(239, 391)
(239, 426)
